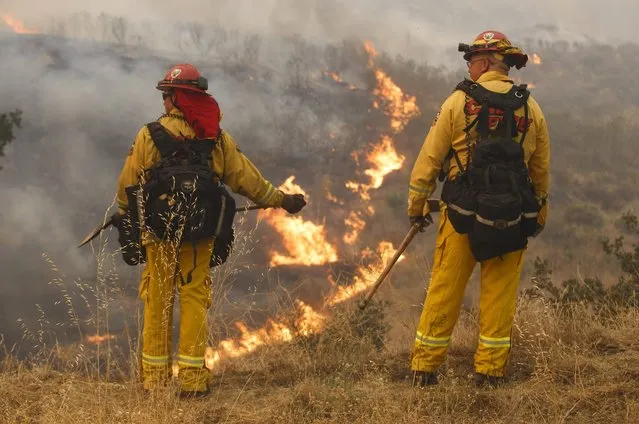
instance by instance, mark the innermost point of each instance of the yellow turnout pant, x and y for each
(452, 267)
(167, 269)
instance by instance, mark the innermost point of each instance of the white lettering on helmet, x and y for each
(489, 36)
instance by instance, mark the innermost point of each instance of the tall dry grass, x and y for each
(572, 363)
(568, 364)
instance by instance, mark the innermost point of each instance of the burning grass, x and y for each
(560, 371)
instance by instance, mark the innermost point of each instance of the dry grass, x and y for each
(567, 365)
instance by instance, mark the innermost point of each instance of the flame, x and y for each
(372, 53)
(536, 59)
(399, 107)
(338, 79)
(356, 223)
(289, 186)
(309, 322)
(335, 76)
(383, 159)
(531, 85)
(99, 339)
(305, 242)
(366, 275)
(331, 198)
(17, 26)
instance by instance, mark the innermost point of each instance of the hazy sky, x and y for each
(405, 26)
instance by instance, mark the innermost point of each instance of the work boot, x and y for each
(422, 379)
(186, 395)
(487, 381)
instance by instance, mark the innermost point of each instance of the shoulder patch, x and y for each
(132, 147)
(436, 118)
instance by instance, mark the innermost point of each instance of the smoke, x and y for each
(418, 29)
(86, 93)
(83, 103)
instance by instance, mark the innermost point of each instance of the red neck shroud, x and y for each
(201, 111)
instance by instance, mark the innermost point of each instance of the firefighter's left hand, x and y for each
(423, 221)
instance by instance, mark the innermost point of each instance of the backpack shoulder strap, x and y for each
(515, 98)
(169, 145)
(200, 149)
(483, 97)
(509, 102)
(477, 91)
(163, 140)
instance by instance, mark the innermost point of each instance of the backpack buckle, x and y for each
(501, 224)
(187, 186)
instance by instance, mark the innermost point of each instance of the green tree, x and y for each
(8, 121)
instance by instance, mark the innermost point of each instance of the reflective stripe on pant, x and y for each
(452, 268)
(160, 278)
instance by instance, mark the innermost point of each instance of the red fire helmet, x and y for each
(184, 76)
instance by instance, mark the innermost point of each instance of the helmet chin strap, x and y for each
(173, 105)
(175, 101)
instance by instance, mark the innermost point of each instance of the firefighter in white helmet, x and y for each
(492, 138)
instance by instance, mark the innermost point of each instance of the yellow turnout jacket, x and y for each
(447, 131)
(235, 169)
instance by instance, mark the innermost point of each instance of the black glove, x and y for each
(293, 203)
(132, 251)
(423, 221)
(116, 220)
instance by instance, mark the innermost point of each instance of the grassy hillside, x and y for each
(562, 371)
(575, 354)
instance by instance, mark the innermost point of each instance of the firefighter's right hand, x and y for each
(423, 221)
(293, 203)
(116, 220)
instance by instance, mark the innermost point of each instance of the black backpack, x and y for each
(493, 199)
(183, 198)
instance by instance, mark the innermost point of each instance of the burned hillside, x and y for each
(343, 119)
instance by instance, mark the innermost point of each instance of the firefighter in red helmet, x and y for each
(192, 117)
